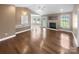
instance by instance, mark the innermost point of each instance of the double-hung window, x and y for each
(65, 21)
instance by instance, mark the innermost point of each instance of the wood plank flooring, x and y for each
(40, 41)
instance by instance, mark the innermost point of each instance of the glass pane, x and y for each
(65, 21)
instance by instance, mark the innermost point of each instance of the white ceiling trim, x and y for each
(47, 8)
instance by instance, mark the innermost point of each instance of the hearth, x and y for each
(52, 25)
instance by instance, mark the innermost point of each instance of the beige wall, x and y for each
(58, 19)
(10, 16)
(20, 11)
(7, 20)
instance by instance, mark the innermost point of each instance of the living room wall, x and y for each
(21, 11)
(7, 20)
(75, 20)
(75, 23)
(57, 20)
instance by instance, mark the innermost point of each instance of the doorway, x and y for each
(44, 22)
(35, 20)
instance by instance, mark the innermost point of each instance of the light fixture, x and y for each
(61, 10)
(39, 10)
(24, 13)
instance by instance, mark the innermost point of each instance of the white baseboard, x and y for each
(7, 38)
(64, 30)
(51, 29)
(59, 30)
(22, 31)
(75, 39)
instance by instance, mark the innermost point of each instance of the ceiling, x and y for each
(44, 9)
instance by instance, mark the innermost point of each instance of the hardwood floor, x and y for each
(40, 41)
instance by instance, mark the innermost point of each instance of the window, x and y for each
(24, 20)
(65, 20)
(38, 21)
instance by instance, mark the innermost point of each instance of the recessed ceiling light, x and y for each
(39, 10)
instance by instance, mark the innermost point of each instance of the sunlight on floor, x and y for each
(35, 32)
(44, 37)
(65, 42)
(25, 49)
(44, 33)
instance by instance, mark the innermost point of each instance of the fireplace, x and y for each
(52, 25)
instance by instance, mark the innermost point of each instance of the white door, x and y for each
(35, 20)
(44, 21)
